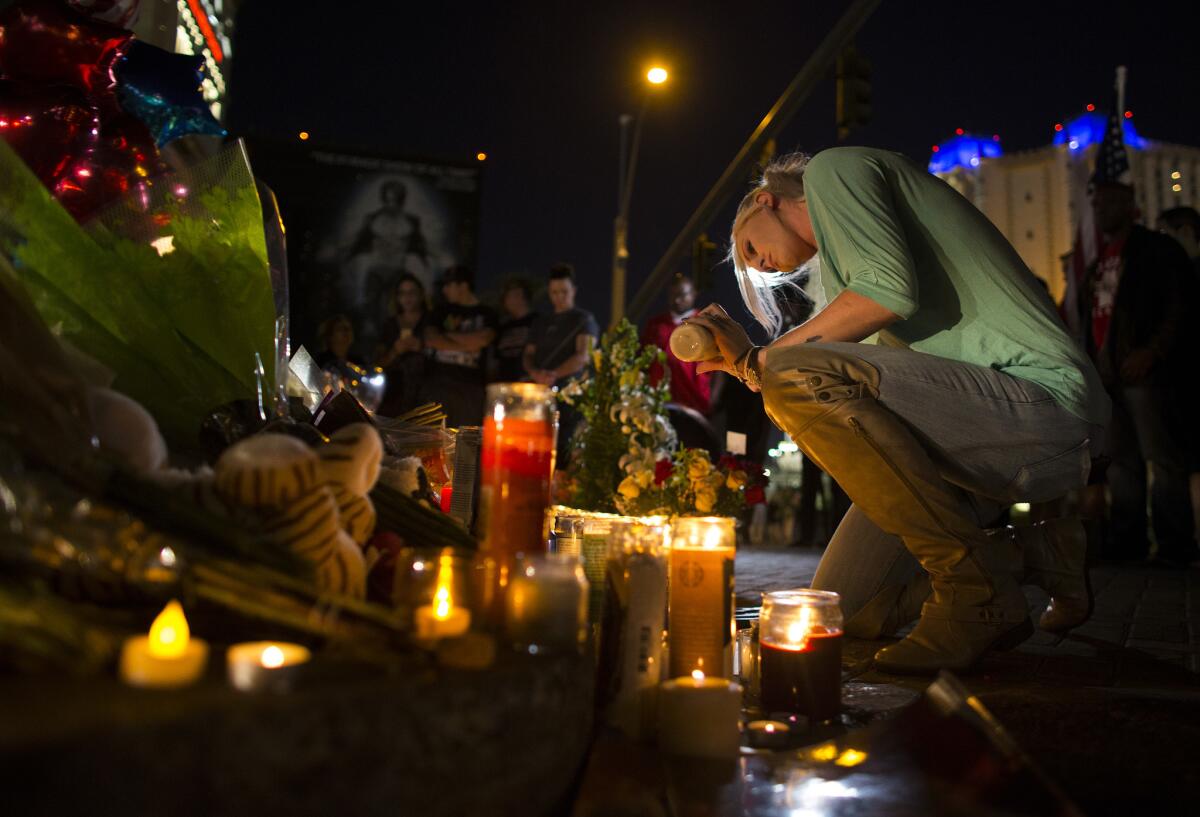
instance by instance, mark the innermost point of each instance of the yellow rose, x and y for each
(705, 500)
(714, 481)
(698, 468)
(644, 478)
(736, 479)
(629, 488)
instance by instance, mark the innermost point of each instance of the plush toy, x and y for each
(314, 502)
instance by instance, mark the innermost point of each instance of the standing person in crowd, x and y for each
(688, 386)
(337, 345)
(459, 332)
(974, 398)
(1137, 300)
(401, 352)
(1183, 225)
(559, 347)
(516, 298)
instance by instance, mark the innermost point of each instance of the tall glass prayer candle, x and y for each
(700, 596)
(631, 652)
(517, 464)
(800, 653)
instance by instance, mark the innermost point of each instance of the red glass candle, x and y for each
(800, 653)
(517, 465)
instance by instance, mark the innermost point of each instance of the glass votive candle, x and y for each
(700, 596)
(432, 588)
(546, 604)
(747, 660)
(568, 530)
(800, 653)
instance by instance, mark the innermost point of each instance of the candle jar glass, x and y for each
(517, 462)
(800, 653)
(631, 654)
(546, 604)
(568, 530)
(700, 594)
(426, 577)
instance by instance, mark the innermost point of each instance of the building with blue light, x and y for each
(1034, 196)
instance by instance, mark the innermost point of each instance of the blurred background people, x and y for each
(1137, 291)
(688, 387)
(516, 301)
(459, 332)
(559, 346)
(401, 351)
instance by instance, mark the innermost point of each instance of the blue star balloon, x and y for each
(163, 91)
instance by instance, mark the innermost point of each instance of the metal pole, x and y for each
(734, 177)
(621, 223)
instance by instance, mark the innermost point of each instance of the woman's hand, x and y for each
(731, 338)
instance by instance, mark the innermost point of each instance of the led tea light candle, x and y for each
(256, 666)
(800, 653)
(700, 618)
(547, 604)
(441, 618)
(699, 716)
(167, 657)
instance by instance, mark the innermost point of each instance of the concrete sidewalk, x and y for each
(1111, 711)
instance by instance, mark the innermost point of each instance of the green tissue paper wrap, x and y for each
(180, 330)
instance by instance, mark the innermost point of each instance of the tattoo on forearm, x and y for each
(813, 339)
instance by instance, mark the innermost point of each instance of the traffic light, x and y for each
(853, 91)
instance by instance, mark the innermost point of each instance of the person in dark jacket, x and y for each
(1138, 297)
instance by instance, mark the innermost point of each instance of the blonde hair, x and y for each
(782, 177)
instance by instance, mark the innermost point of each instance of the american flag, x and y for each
(1112, 167)
(1112, 159)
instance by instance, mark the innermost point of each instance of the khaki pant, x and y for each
(974, 440)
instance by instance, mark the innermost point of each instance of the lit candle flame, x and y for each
(442, 604)
(712, 537)
(698, 676)
(798, 632)
(770, 727)
(169, 632)
(272, 657)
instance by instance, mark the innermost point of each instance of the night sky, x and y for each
(539, 87)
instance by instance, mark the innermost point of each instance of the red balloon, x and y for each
(49, 126)
(123, 160)
(45, 41)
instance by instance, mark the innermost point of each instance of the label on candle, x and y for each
(701, 610)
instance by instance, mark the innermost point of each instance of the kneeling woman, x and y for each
(971, 397)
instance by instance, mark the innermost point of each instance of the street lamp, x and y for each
(627, 164)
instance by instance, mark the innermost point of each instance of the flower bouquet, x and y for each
(688, 484)
(624, 420)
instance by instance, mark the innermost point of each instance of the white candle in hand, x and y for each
(699, 716)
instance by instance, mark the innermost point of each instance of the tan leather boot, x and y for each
(825, 400)
(893, 608)
(1053, 556)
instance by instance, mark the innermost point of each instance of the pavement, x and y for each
(1111, 711)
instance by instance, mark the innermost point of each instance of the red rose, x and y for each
(729, 462)
(755, 495)
(662, 471)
